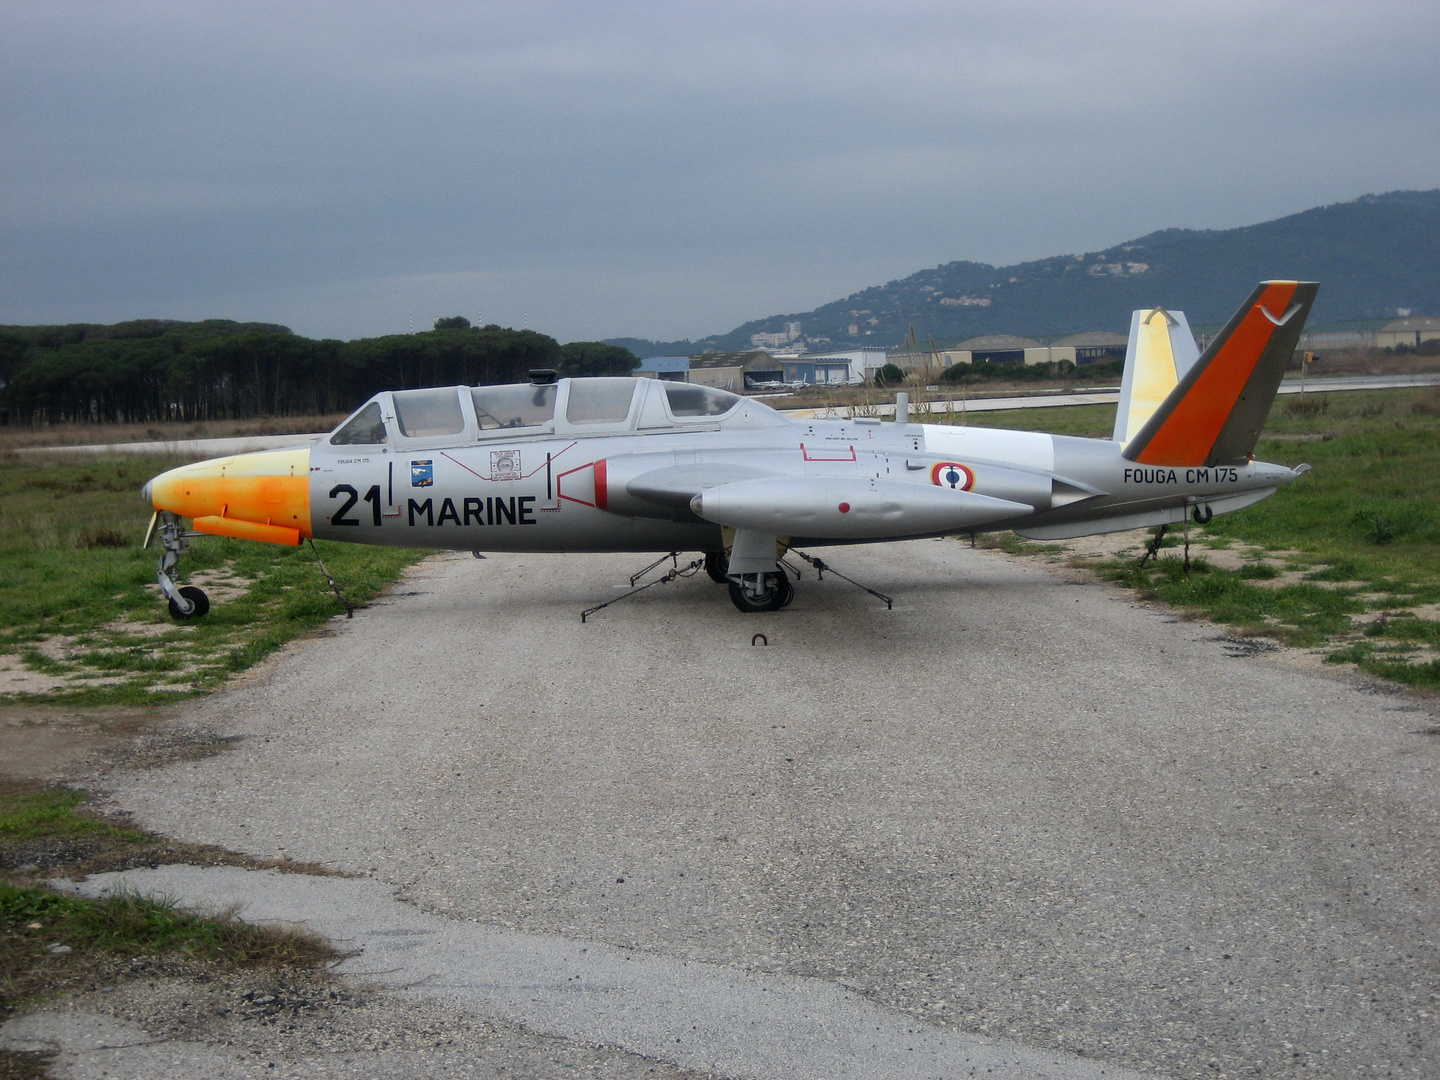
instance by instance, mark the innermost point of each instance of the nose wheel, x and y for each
(199, 604)
(761, 592)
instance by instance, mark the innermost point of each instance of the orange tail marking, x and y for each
(1196, 422)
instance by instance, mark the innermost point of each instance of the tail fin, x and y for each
(1160, 352)
(1215, 412)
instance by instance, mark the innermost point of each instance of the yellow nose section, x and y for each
(263, 496)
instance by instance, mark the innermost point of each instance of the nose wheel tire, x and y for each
(197, 597)
(770, 593)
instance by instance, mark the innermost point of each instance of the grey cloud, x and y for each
(662, 170)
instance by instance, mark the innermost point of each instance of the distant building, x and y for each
(1092, 345)
(775, 341)
(735, 371)
(665, 368)
(814, 370)
(1079, 349)
(1373, 334)
(860, 365)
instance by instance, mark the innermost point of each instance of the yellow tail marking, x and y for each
(1155, 375)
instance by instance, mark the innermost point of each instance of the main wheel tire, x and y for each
(774, 594)
(716, 563)
(787, 590)
(196, 597)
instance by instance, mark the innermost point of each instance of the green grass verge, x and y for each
(1361, 532)
(51, 814)
(78, 600)
(49, 940)
(128, 924)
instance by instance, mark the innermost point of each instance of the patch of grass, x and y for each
(1258, 571)
(1086, 421)
(1424, 675)
(50, 831)
(49, 940)
(128, 924)
(1362, 528)
(52, 813)
(1301, 614)
(78, 600)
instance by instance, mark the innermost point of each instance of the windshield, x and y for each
(365, 428)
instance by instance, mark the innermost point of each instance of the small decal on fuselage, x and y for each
(505, 465)
(422, 473)
(1213, 474)
(952, 474)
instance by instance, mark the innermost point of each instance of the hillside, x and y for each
(1373, 255)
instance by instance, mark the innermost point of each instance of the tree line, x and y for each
(153, 369)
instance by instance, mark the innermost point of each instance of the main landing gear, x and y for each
(751, 592)
(716, 564)
(761, 592)
(186, 601)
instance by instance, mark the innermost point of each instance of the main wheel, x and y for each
(716, 563)
(761, 592)
(196, 597)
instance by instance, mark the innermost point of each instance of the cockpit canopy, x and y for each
(573, 407)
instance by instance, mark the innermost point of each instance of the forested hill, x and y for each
(163, 370)
(1373, 257)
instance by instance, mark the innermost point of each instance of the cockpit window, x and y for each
(365, 428)
(688, 399)
(516, 406)
(599, 401)
(423, 413)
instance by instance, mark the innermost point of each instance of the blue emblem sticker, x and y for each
(422, 473)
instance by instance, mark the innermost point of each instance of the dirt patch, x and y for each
(16, 678)
(145, 629)
(47, 743)
(58, 647)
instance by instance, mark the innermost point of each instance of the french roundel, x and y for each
(952, 474)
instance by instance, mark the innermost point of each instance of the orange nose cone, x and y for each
(263, 496)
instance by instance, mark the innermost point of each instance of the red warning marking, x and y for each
(828, 454)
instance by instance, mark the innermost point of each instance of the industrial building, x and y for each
(1410, 332)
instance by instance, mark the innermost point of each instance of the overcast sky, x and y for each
(659, 169)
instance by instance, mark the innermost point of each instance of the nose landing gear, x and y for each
(186, 602)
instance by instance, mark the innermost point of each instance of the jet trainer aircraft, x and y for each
(625, 464)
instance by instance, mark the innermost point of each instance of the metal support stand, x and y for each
(673, 555)
(1152, 549)
(821, 566)
(349, 608)
(678, 571)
